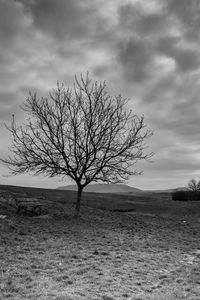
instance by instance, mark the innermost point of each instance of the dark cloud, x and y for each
(64, 18)
(188, 14)
(12, 22)
(135, 58)
(152, 24)
(187, 59)
(173, 109)
(187, 11)
(131, 18)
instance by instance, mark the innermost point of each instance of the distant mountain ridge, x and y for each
(103, 188)
(117, 188)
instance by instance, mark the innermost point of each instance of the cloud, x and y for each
(178, 93)
(187, 11)
(188, 14)
(135, 58)
(12, 21)
(139, 18)
(152, 35)
(186, 57)
(64, 19)
(148, 50)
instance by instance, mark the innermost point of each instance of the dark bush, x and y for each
(179, 196)
(186, 196)
(193, 196)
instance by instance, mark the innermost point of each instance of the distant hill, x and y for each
(104, 188)
(168, 190)
(117, 188)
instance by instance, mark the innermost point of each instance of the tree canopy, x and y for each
(81, 132)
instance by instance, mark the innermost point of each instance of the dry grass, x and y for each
(152, 253)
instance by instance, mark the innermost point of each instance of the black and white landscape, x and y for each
(99, 150)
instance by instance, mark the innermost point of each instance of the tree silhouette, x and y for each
(194, 185)
(80, 132)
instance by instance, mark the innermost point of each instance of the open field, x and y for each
(121, 247)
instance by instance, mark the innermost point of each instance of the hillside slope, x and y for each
(123, 247)
(104, 188)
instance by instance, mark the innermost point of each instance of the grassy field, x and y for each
(121, 247)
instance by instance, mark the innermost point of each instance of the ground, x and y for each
(149, 252)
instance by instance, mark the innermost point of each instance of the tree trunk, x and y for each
(78, 202)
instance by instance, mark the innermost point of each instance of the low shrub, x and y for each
(193, 196)
(186, 196)
(179, 196)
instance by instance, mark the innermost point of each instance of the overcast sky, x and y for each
(147, 50)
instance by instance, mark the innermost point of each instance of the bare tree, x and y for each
(194, 185)
(80, 132)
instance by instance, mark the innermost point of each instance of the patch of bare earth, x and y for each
(102, 255)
